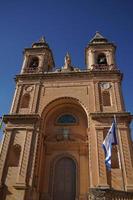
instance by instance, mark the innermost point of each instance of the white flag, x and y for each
(109, 140)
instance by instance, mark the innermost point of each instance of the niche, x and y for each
(25, 101)
(14, 155)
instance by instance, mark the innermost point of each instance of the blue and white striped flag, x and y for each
(109, 140)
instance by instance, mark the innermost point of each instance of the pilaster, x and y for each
(102, 176)
(4, 154)
(16, 99)
(35, 99)
(97, 98)
(126, 159)
(117, 96)
(22, 175)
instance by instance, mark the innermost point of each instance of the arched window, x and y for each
(34, 62)
(25, 101)
(101, 59)
(106, 98)
(66, 119)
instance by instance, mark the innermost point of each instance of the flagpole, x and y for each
(1, 122)
(119, 152)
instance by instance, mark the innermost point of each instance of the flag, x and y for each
(109, 140)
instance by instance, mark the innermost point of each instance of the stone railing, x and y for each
(109, 194)
(30, 70)
(103, 67)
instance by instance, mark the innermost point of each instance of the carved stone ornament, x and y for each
(105, 85)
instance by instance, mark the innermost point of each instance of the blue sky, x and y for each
(67, 26)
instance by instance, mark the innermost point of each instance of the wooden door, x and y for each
(64, 180)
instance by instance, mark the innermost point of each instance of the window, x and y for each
(25, 101)
(34, 62)
(101, 60)
(106, 98)
(66, 119)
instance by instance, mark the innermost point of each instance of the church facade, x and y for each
(52, 144)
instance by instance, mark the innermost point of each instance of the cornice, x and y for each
(60, 75)
(101, 44)
(39, 49)
(122, 115)
(21, 117)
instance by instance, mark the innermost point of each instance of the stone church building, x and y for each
(52, 144)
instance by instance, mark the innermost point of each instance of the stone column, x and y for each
(91, 59)
(24, 63)
(41, 61)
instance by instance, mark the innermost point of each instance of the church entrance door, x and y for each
(64, 180)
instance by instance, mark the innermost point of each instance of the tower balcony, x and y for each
(32, 70)
(104, 67)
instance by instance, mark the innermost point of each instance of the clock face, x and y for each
(105, 85)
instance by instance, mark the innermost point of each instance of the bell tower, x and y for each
(100, 53)
(38, 59)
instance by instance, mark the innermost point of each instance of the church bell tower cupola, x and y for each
(100, 54)
(38, 58)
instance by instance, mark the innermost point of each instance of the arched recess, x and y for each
(25, 101)
(64, 177)
(50, 145)
(62, 106)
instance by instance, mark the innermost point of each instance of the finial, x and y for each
(42, 40)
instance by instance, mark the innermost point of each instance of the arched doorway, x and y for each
(64, 179)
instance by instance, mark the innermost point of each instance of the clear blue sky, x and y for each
(67, 26)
